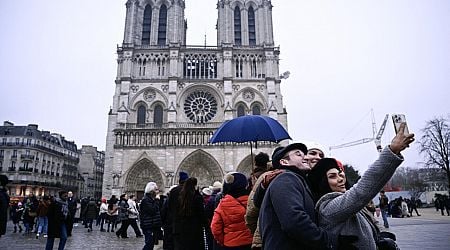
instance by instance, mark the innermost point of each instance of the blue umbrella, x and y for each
(250, 128)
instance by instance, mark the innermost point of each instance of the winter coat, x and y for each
(58, 214)
(287, 215)
(228, 223)
(90, 212)
(149, 216)
(341, 213)
(188, 229)
(4, 203)
(123, 210)
(42, 209)
(133, 212)
(252, 214)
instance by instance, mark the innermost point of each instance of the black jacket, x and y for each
(149, 215)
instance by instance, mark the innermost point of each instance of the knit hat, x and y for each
(151, 186)
(318, 176)
(279, 152)
(315, 145)
(183, 176)
(234, 182)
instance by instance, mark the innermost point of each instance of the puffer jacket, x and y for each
(228, 223)
(150, 217)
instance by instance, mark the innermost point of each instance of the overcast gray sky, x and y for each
(58, 65)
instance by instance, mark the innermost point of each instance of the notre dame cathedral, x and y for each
(170, 97)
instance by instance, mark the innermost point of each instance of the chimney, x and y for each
(8, 123)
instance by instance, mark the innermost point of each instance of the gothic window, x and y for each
(161, 67)
(158, 115)
(239, 66)
(142, 66)
(200, 66)
(256, 110)
(240, 110)
(237, 26)
(200, 106)
(253, 67)
(251, 27)
(141, 115)
(162, 26)
(146, 25)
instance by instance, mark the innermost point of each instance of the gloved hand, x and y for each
(269, 177)
(347, 242)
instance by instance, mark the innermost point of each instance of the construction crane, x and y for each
(376, 136)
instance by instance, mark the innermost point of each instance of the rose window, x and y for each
(200, 106)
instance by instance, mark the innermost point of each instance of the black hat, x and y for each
(317, 176)
(3, 180)
(279, 152)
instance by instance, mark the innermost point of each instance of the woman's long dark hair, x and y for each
(186, 198)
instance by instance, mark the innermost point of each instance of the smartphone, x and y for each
(399, 119)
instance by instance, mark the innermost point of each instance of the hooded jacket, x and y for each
(228, 223)
(341, 213)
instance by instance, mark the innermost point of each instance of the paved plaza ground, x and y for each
(429, 231)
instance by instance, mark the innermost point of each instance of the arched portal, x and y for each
(246, 165)
(140, 174)
(202, 166)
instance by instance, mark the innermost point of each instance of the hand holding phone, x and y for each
(399, 119)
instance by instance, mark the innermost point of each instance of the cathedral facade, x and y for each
(170, 97)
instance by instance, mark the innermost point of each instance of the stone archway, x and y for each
(246, 165)
(140, 174)
(202, 166)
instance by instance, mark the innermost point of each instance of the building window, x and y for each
(2, 153)
(162, 25)
(200, 106)
(141, 115)
(237, 26)
(17, 141)
(251, 27)
(256, 110)
(14, 153)
(28, 142)
(4, 140)
(158, 115)
(146, 25)
(238, 67)
(240, 110)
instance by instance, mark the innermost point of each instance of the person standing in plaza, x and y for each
(341, 210)
(4, 203)
(103, 214)
(384, 206)
(90, 213)
(113, 213)
(72, 210)
(287, 215)
(170, 209)
(413, 207)
(150, 218)
(133, 215)
(228, 223)
(189, 218)
(123, 208)
(58, 217)
(42, 212)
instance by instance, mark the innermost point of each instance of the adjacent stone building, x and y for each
(37, 161)
(170, 97)
(91, 167)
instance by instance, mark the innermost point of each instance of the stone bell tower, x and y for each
(170, 97)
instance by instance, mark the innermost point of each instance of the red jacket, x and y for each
(228, 223)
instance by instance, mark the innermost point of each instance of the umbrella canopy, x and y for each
(250, 128)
